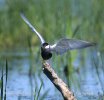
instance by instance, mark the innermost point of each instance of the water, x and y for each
(2, 3)
(21, 83)
(25, 76)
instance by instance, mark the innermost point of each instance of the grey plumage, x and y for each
(62, 45)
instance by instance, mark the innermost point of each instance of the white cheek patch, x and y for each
(47, 47)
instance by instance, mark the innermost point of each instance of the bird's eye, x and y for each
(45, 44)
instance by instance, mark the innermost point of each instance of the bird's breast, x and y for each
(46, 54)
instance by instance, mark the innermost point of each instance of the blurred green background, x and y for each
(82, 70)
(54, 19)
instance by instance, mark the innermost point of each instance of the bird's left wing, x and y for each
(69, 44)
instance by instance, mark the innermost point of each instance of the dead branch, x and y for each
(58, 83)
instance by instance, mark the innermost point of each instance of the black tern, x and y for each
(62, 46)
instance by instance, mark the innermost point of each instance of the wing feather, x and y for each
(32, 28)
(69, 44)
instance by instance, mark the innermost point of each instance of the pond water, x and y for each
(22, 83)
(25, 77)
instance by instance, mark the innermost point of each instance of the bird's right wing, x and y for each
(69, 44)
(32, 28)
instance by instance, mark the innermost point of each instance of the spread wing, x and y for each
(69, 44)
(32, 28)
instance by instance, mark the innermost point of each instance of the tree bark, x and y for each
(58, 83)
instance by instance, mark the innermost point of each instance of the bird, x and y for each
(60, 47)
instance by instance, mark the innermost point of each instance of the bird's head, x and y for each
(45, 46)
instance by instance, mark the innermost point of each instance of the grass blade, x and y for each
(6, 78)
(2, 85)
(6, 70)
(44, 95)
(39, 91)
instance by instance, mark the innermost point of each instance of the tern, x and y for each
(62, 46)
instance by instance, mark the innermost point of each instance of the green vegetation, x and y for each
(3, 87)
(53, 19)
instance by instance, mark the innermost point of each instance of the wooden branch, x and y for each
(58, 83)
